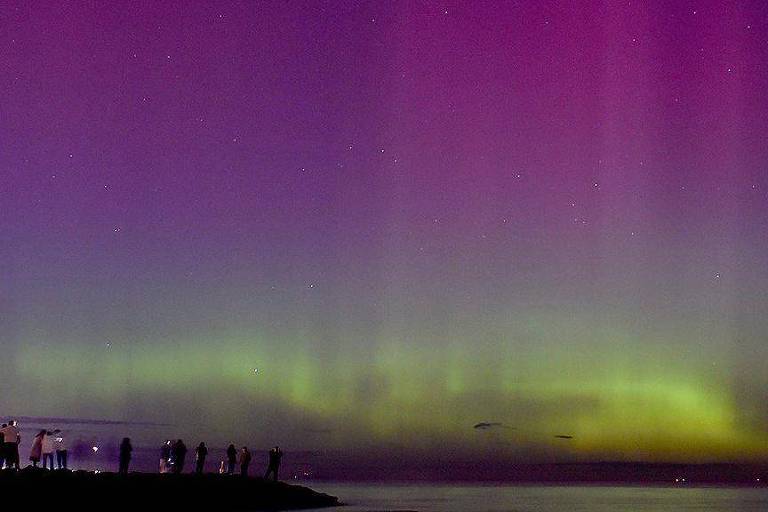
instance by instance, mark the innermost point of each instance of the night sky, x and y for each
(376, 224)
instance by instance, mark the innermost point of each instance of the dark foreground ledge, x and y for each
(85, 490)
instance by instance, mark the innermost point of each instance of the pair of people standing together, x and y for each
(172, 456)
(244, 458)
(9, 445)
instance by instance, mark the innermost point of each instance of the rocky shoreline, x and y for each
(85, 490)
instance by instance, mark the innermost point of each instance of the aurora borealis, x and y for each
(361, 224)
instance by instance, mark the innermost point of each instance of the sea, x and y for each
(486, 498)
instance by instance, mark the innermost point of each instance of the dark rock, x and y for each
(85, 490)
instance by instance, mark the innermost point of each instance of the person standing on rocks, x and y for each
(275, 455)
(2, 444)
(245, 461)
(61, 449)
(48, 450)
(201, 452)
(165, 457)
(231, 459)
(179, 453)
(11, 440)
(125, 455)
(37, 448)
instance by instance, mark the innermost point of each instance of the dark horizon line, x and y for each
(83, 421)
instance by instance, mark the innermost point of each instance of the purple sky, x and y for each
(408, 218)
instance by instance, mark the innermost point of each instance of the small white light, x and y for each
(95, 448)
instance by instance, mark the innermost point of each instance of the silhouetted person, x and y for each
(275, 455)
(231, 459)
(11, 440)
(201, 452)
(179, 454)
(37, 448)
(245, 461)
(125, 456)
(61, 449)
(165, 457)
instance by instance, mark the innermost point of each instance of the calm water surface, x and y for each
(444, 498)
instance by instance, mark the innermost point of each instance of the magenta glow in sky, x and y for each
(409, 217)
